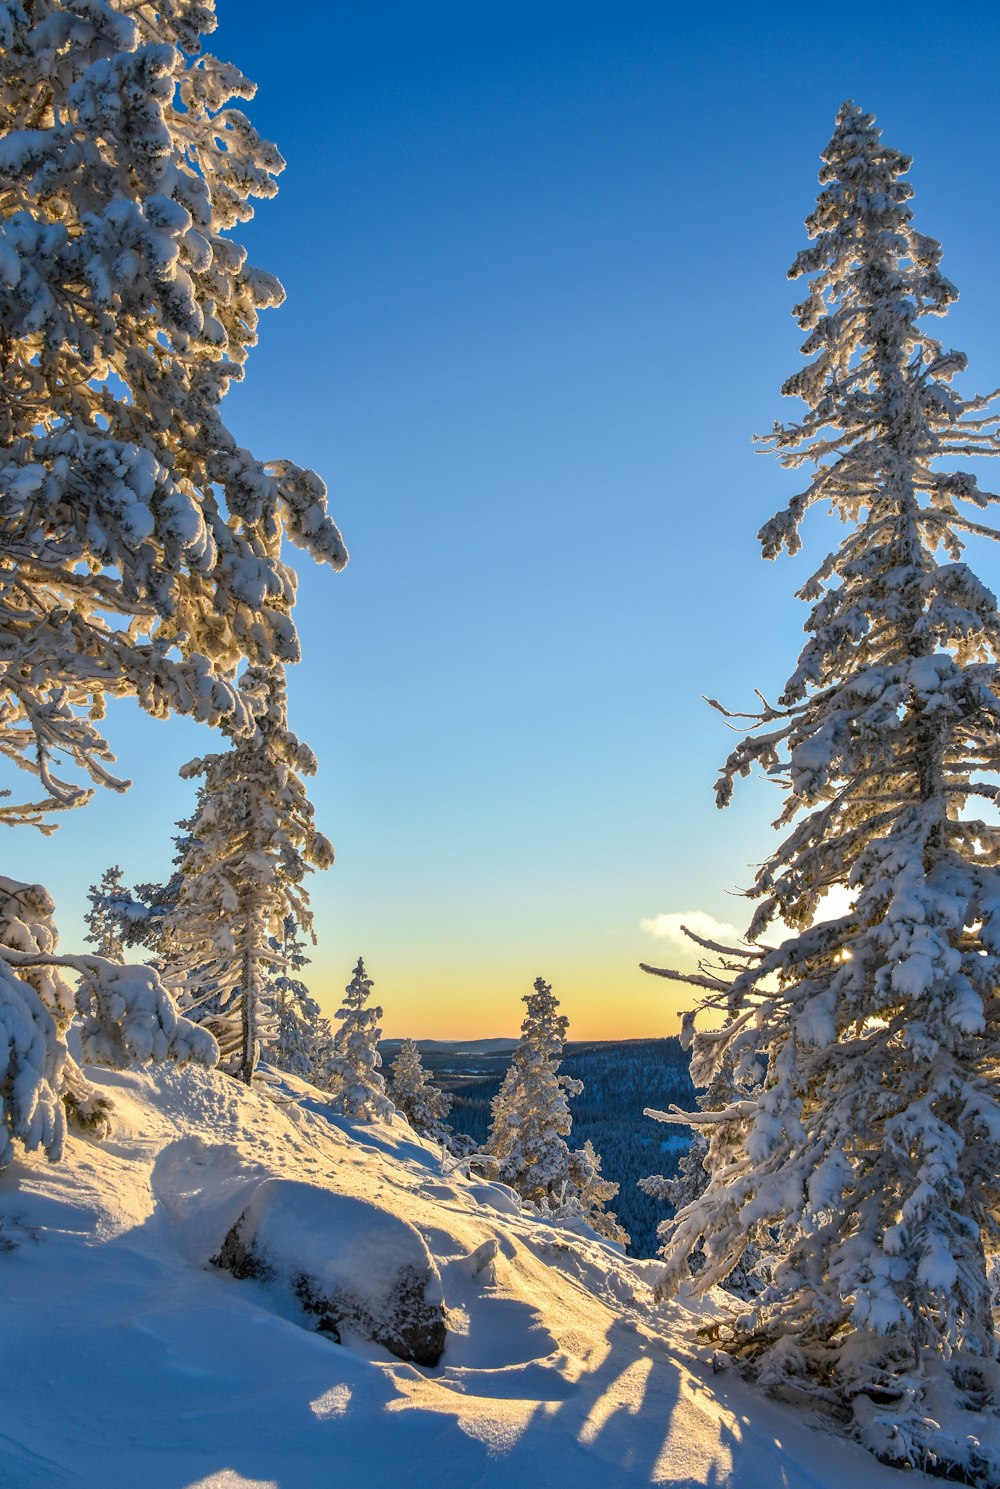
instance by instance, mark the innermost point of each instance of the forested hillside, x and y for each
(620, 1078)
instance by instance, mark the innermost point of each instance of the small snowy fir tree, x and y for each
(861, 1138)
(421, 1103)
(531, 1121)
(103, 919)
(299, 1027)
(250, 846)
(588, 1194)
(353, 1072)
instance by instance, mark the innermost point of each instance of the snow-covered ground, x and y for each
(130, 1362)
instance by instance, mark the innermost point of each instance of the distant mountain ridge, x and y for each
(473, 1046)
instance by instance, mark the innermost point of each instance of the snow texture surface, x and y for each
(559, 1369)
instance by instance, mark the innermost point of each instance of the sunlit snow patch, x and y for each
(332, 1403)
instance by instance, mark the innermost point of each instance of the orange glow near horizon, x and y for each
(603, 1001)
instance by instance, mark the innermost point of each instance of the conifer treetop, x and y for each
(141, 550)
(353, 1072)
(896, 613)
(877, 387)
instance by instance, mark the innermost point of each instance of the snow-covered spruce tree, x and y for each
(294, 1035)
(352, 1074)
(139, 543)
(103, 919)
(530, 1113)
(421, 1103)
(862, 1138)
(588, 1194)
(300, 1031)
(531, 1121)
(250, 845)
(136, 553)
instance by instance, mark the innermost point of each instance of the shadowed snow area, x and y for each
(129, 1360)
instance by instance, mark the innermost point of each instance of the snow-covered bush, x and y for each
(128, 1017)
(860, 1137)
(352, 1074)
(531, 1121)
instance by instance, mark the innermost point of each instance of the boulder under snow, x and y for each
(352, 1266)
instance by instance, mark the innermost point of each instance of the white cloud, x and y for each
(667, 927)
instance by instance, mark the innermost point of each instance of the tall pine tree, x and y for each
(860, 1140)
(140, 544)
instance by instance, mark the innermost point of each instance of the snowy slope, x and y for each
(131, 1363)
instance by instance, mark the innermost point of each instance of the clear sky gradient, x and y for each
(535, 258)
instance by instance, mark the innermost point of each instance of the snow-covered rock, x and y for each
(354, 1267)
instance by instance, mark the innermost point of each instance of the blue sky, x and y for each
(535, 259)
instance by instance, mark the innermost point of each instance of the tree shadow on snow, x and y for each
(627, 1423)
